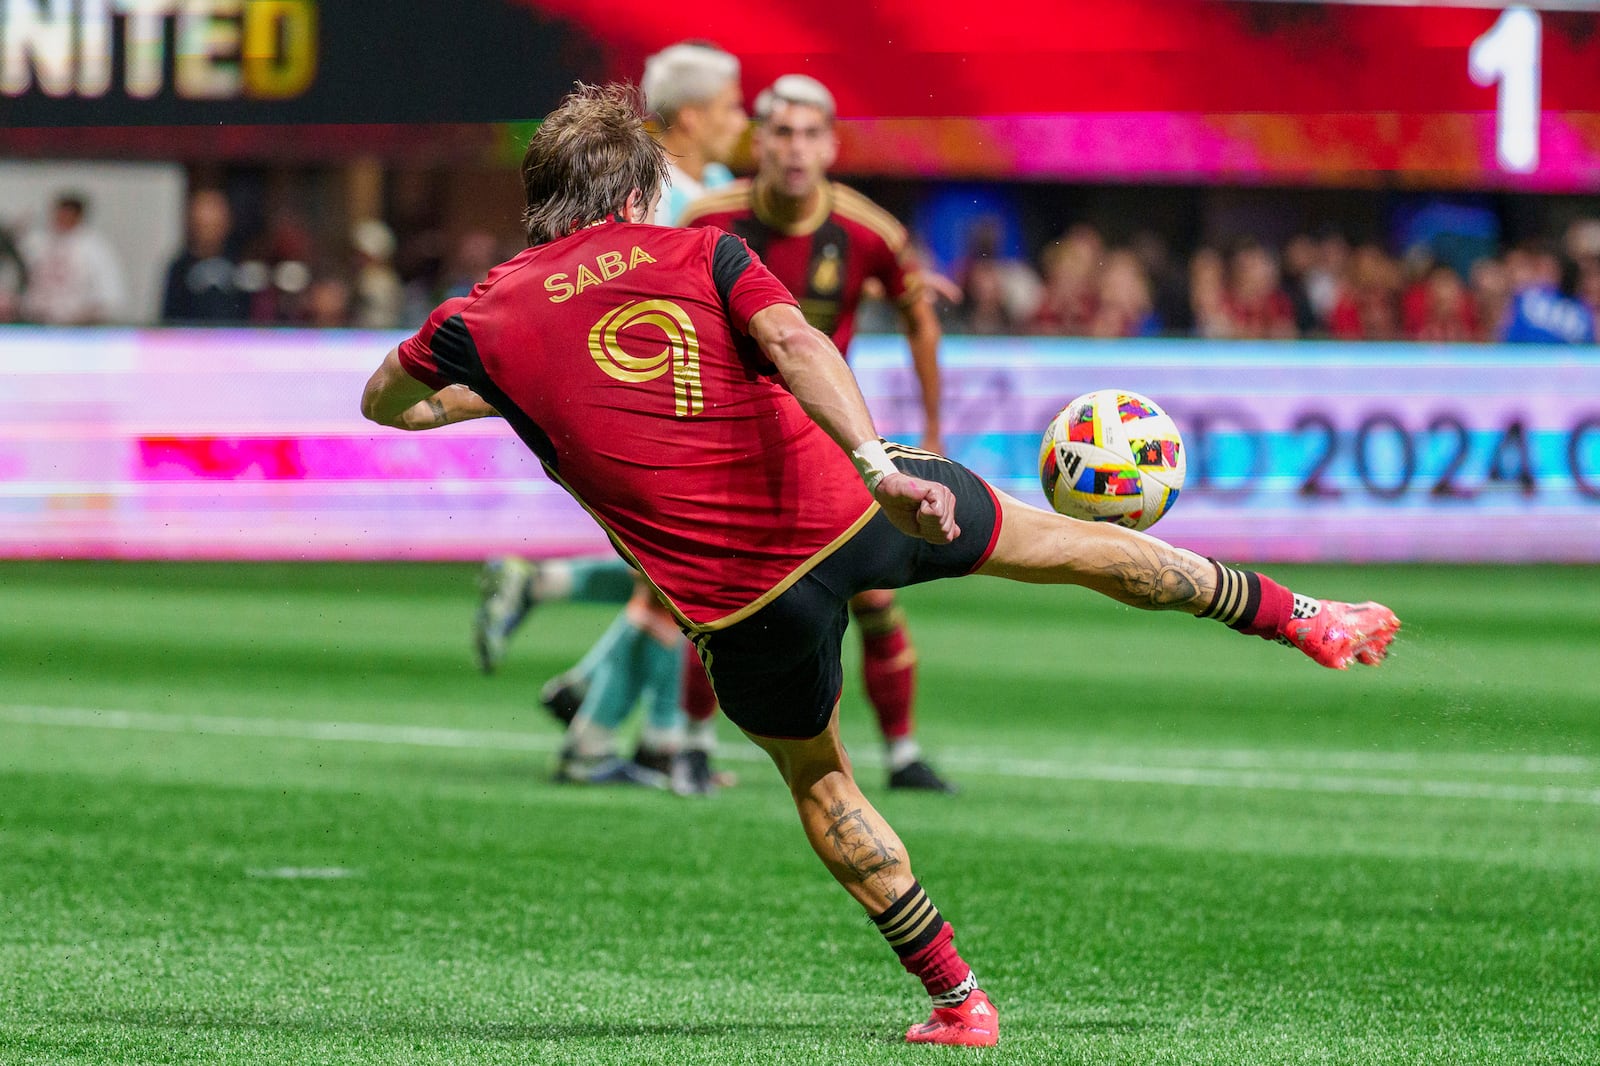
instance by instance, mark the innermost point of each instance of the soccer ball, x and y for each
(1112, 456)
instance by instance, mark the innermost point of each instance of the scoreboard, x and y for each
(1479, 95)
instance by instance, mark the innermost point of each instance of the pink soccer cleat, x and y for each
(975, 1023)
(1342, 633)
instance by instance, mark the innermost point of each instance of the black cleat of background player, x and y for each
(562, 698)
(920, 777)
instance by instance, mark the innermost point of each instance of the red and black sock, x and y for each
(1250, 602)
(925, 943)
(889, 669)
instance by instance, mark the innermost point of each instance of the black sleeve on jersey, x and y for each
(728, 263)
(454, 352)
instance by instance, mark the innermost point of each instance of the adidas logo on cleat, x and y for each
(1305, 607)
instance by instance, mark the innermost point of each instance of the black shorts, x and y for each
(778, 673)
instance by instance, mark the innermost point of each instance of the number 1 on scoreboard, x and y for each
(1508, 54)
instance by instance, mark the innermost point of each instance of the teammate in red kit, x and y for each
(668, 381)
(827, 243)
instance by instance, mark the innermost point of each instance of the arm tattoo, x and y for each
(436, 409)
(857, 846)
(1158, 579)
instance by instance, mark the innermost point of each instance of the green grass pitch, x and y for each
(270, 814)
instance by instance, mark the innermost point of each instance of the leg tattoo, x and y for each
(1159, 579)
(858, 847)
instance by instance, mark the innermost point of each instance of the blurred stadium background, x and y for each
(254, 805)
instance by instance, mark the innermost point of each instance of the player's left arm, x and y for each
(923, 333)
(395, 398)
(896, 264)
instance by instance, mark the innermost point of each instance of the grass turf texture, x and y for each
(1174, 844)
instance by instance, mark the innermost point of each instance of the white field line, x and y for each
(302, 873)
(1238, 769)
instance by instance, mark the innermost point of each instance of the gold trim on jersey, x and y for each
(793, 576)
(857, 208)
(761, 206)
(697, 629)
(862, 211)
(836, 198)
(734, 197)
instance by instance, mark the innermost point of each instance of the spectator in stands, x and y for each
(1368, 307)
(328, 302)
(1300, 258)
(1416, 278)
(202, 280)
(1021, 288)
(1587, 289)
(1208, 294)
(1071, 282)
(279, 274)
(1124, 307)
(1169, 291)
(1258, 308)
(1490, 285)
(378, 294)
(13, 277)
(1582, 241)
(1539, 313)
(1325, 278)
(475, 253)
(983, 307)
(74, 275)
(1446, 313)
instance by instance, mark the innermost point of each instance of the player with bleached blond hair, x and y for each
(693, 90)
(668, 381)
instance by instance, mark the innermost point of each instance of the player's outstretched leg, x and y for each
(889, 673)
(865, 856)
(1139, 570)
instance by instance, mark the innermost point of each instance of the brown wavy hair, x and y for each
(584, 160)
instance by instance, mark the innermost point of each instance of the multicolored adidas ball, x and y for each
(1112, 456)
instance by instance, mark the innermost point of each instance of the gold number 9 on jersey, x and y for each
(681, 355)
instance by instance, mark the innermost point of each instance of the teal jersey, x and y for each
(683, 190)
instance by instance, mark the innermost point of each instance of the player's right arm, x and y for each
(758, 304)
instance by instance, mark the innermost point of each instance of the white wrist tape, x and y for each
(873, 463)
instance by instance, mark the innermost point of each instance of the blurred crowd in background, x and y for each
(1313, 286)
(279, 262)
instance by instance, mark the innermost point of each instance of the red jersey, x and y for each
(620, 355)
(826, 257)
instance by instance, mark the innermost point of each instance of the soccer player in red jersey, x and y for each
(693, 91)
(668, 381)
(827, 243)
